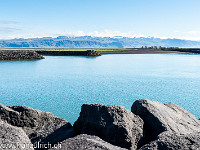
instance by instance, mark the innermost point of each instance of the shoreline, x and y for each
(99, 53)
(29, 54)
(142, 51)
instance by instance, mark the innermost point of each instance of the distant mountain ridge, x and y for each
(95, 42)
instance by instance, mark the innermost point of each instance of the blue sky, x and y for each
(155, 18)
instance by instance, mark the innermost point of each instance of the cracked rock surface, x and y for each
(37, 125)
(159, 117)
(87, 142)
(150, 126)
(167, 126)
(13, 138)
(173, 141)
(114, 124)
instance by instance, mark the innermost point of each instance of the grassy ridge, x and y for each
(71, 49)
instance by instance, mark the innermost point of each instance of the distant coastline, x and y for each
(95, 42)
(33, 53)
(142, 51)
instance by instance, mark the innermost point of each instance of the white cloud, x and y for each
(187, 35)
(106, 33)
(194, 32)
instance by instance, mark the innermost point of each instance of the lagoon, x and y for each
(61, 84)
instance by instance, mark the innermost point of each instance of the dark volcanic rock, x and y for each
(13, 138)
(19, 55)
(114, 124)
(60, 134)
(173, 141)
(160, 117)
(93, 53)
(38, 125)
(87, 142)
(70, 53)
(166, 126)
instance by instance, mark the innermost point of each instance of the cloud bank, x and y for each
(106, 33)
(187, 35)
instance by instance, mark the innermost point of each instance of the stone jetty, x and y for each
(70, 53)
(19, 55)
(149, 125)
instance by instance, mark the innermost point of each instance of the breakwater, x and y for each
(150, 125)
(189, 50)
(34, 55)
(183, 50)
(70, 53)
(19, 55)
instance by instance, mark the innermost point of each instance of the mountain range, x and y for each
(95, 42)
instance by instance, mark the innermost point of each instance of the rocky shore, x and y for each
(150, 125)
(70, 53)
(19, 55)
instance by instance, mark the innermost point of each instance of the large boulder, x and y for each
(38, 125)
(174, 141)
(13, 138)
(159, 117)
(83, 142)
(114, 124)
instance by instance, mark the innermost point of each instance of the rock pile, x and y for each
(92, 53)
(149, 125)
(19, 55)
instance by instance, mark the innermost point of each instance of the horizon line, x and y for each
(114, 37)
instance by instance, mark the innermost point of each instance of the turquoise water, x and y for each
(61, 84)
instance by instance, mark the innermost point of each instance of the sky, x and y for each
(129, 18)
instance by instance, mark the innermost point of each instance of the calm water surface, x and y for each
(61, 84)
